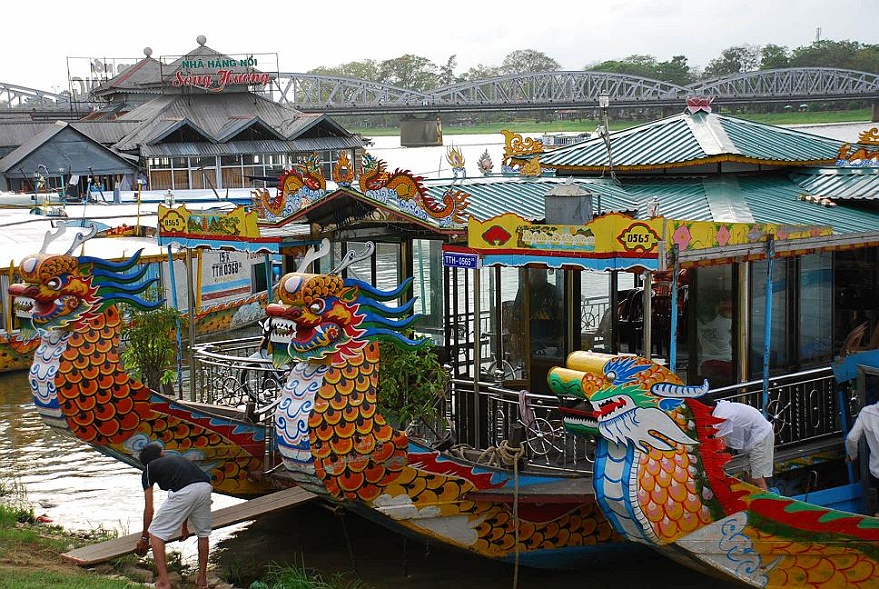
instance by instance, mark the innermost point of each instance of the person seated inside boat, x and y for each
(866, 426)
(545, 323)
(714, 332)
(746, 430)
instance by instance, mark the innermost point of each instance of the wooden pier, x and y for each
(252, 509)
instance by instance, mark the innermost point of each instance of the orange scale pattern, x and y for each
(802, 564)
(105, 407)
(356, 453)
(669, 496)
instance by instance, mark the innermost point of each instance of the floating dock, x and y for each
(252, 509)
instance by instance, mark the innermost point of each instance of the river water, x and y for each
(80, 489)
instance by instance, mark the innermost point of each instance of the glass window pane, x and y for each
(714, 300)
(428, 287)
(595, 316)
(816, 303)
(778, 355)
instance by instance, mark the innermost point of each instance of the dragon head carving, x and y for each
(326, 318)
(626, 400)
(62, 292)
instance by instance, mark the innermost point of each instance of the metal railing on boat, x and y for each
(804, 408)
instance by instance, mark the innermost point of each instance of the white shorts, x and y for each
(192, 502)
(762, 456)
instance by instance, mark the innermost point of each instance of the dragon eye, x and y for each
(54, 283)
(292, 283)
(315, 308)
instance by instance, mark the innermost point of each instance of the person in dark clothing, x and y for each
(188, 504)
(544, 311)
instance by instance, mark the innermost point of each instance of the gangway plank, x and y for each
(247, 510)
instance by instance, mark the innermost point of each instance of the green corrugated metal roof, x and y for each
(693, 139)
(778, 144)
(840, 183)
(774, 198)
(495, 195)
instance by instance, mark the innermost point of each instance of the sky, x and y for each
(38, 42)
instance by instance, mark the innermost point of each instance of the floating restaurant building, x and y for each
(197, 121)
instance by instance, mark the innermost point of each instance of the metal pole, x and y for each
(767, 327)
(179, 336)
(673, 340)
(477, 353)
(647, 315)
(192, 317)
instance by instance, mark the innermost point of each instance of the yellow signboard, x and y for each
(181, 222)
(619, 234)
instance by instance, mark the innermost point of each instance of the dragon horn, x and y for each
(679, 391)
(51, 236)
(82, 238)
(311, 255)
(352, 257)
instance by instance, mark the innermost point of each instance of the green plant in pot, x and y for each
(411, 390)
(150, 351)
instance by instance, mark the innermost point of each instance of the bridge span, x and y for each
(571, 90)
(540, 91)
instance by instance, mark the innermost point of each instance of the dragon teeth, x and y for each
(24, 306)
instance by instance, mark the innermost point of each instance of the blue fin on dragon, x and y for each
(80, 387)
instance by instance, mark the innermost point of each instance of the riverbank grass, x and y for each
(30, 558)
(30, 554)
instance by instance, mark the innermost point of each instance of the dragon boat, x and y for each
(68, 304)
(333, 440)
(324, 432)
(659, 478)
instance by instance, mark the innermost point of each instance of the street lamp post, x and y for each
(603, 104)
(44, 180)
(37, 182)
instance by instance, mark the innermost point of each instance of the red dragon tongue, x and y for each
(608, 407)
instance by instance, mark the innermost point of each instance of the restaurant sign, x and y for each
(217, 73)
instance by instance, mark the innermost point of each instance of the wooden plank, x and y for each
(568, 491)
(252, 509)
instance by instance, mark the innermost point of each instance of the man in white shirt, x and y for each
(866, 426)
(745, 429)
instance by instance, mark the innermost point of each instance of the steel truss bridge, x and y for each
(541, 91)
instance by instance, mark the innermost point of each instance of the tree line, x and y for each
(419, 73)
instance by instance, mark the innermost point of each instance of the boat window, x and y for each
(595, 314)
(856, 298)
(713, 355)
(816, 307)
(428, 287)
(779, 332)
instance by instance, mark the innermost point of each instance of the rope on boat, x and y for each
(511, 455)
(504, 455)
